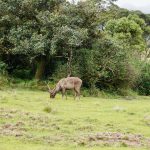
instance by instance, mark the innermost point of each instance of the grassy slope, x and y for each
(68, 122)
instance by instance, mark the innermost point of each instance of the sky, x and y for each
(142, 5)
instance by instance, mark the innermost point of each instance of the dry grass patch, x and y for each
(113, 139)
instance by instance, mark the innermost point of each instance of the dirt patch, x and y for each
(6, 114)
(109, 139)
(27, 122)
(13, 129)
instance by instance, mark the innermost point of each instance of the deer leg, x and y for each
(66, 95)
(63, 93)
(77, 93)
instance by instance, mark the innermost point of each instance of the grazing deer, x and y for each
(69, 83)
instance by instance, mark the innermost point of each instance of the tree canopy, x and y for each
(95, 40)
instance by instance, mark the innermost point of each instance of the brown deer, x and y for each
(69, 83)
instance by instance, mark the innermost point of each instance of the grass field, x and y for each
(29, 120)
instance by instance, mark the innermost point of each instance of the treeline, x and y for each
(106, 46)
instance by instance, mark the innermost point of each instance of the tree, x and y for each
(68, 40)
(116, 51)
(28, 28)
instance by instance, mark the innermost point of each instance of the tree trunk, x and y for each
(40, 68)
(69, 63)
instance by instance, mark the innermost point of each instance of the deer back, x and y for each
(69, 83)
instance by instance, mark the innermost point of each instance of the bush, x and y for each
(143, 83)
(90, 92)
(3, 75)
(3, 68)
(127, 93)
(61, 71)
(3, 81)
(47, 109)
(22, 73)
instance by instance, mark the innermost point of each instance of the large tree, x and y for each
(28, 28)
(117, 53)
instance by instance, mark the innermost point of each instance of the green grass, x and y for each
(29, 120)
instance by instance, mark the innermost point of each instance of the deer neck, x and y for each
(56, 90)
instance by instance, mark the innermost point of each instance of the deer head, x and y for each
(52, 92)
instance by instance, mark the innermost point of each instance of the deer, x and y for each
(69, 83)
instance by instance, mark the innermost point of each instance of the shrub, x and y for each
(3, 75)
(3, 68)
(47, 109)
(143, 83)
(3, 81)
(22, 73)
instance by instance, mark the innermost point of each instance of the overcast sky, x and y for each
(142, 5)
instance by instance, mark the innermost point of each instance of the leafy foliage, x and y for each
(95, 40)
(143, 84)
(3, 68)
